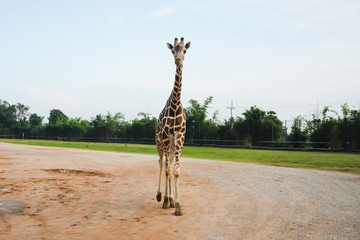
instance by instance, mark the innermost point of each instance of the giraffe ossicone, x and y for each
(170, 133)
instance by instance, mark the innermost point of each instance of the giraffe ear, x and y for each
(170, 46)
(187, 45)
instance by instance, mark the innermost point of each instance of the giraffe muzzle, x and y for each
(178, 61)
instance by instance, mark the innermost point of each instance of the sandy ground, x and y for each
(54, 193)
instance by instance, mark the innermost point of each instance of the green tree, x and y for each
(349, 128)
(58, 124)
(258, 125)
(57, 118)
(254, 119)
(7, 117)
(226, 131)
(355, 129)
(21, 125)
(107, 126)
(35, 120)
(113, 123)
(323, 130)
(21, 111)
(85, 127)
(13, 118)
(196, 114)
(72, 128)
(273, 128)
(36, 125)
(298, 131)
(144, 127)
(99, 125)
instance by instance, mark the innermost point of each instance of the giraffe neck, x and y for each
(176, 92)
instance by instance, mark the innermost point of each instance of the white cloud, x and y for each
(161, 12)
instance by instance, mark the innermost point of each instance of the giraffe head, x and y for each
(178, 50)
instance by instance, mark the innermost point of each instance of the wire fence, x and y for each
(268, 145)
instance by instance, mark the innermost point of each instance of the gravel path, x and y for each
(78, 194)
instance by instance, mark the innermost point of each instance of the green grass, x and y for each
(341, 162)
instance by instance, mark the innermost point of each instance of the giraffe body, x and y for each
(170, 133)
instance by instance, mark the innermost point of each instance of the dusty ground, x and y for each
(53, 193)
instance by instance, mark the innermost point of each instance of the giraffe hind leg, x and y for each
(170, 199)
(172, 203)
(166, 197)
(166, 203)
(161, 156)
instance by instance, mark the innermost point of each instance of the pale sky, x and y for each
(90, 57)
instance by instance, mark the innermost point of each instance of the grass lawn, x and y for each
(342, 162)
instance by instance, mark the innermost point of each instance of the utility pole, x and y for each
(231, 109)
(148, 114)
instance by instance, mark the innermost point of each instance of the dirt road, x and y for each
(54, 193)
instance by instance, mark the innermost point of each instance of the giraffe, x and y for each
(170, 132)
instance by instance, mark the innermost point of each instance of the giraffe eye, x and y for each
(184, 51)
(172, 51)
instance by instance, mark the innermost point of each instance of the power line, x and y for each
(308, 105)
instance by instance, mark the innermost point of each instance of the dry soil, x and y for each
(55, 193)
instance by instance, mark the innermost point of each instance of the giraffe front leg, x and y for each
(178, 148)
(158, 195)
(178, 211)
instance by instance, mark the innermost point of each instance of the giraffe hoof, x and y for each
(172, 205)
(166, 203)
(178, 211)
(158, 197)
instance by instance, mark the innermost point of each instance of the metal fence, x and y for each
(270, 145)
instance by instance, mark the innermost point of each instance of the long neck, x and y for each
(176, 92)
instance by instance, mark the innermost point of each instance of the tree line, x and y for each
(254, 127)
